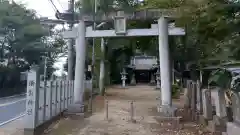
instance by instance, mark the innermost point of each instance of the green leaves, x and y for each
(221, 78)
(25, 40)
(106, 6)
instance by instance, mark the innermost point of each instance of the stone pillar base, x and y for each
(31, 132)
(132, 84)
(123, 87)
(75, 109)
(152, 82)
(217, 124)
(202, 120)
(233, 128)
(39, 130)
(167, 111)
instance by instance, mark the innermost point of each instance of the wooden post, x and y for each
(131, 111)
(32, 103)
(106, 109)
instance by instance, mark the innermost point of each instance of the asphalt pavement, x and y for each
(11, 108)
(6, 100)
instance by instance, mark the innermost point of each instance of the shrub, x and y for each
(175, 90)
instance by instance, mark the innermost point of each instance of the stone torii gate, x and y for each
(160, 29)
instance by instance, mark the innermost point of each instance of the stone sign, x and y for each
(32, 99)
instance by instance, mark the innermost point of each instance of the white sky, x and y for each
(44, 8)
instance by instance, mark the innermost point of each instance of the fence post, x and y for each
(57, 98)
(44, 100)
(199, 97)
(73, 85)
(53, 101)
(187, 95)
(46, 106)
(32, 103)
(207, 104)
(68, 92)
(60, 96)
(64, 93)
(49, 97)
(72, 90)
(193, 101)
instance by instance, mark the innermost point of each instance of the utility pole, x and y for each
(71, 41)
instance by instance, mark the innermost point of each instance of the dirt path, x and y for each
(145, 102)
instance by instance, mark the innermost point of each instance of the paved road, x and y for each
(11, 108)
(11, 99)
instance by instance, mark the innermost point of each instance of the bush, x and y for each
(10, 83)
(86, 95)
(175, 91)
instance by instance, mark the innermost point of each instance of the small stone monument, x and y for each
(220, 119)
(133, 80)
(236, 107)
(207, 107)
(124, 78)
(199, 97)
(158, 79)
(152, 81)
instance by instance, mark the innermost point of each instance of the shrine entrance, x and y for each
(161, 29)
(143, 67)
(142, 76)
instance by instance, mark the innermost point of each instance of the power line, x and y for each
(60, 4)
(54, 6)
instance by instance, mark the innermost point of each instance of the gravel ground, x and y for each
(118, 123)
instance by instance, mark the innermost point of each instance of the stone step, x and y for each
(224, 133)
(233, 128)
(212, 127)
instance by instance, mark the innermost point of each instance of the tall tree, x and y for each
(23, 42)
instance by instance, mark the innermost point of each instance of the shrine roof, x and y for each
(143, 14)
(146, 14)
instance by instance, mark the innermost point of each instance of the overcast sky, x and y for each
(44, 7)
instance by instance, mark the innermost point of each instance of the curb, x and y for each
(13, 119)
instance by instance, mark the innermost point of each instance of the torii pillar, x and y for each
(165, 70)
(77, 106)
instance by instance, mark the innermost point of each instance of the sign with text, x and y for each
(32, 99)
(120, 25)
